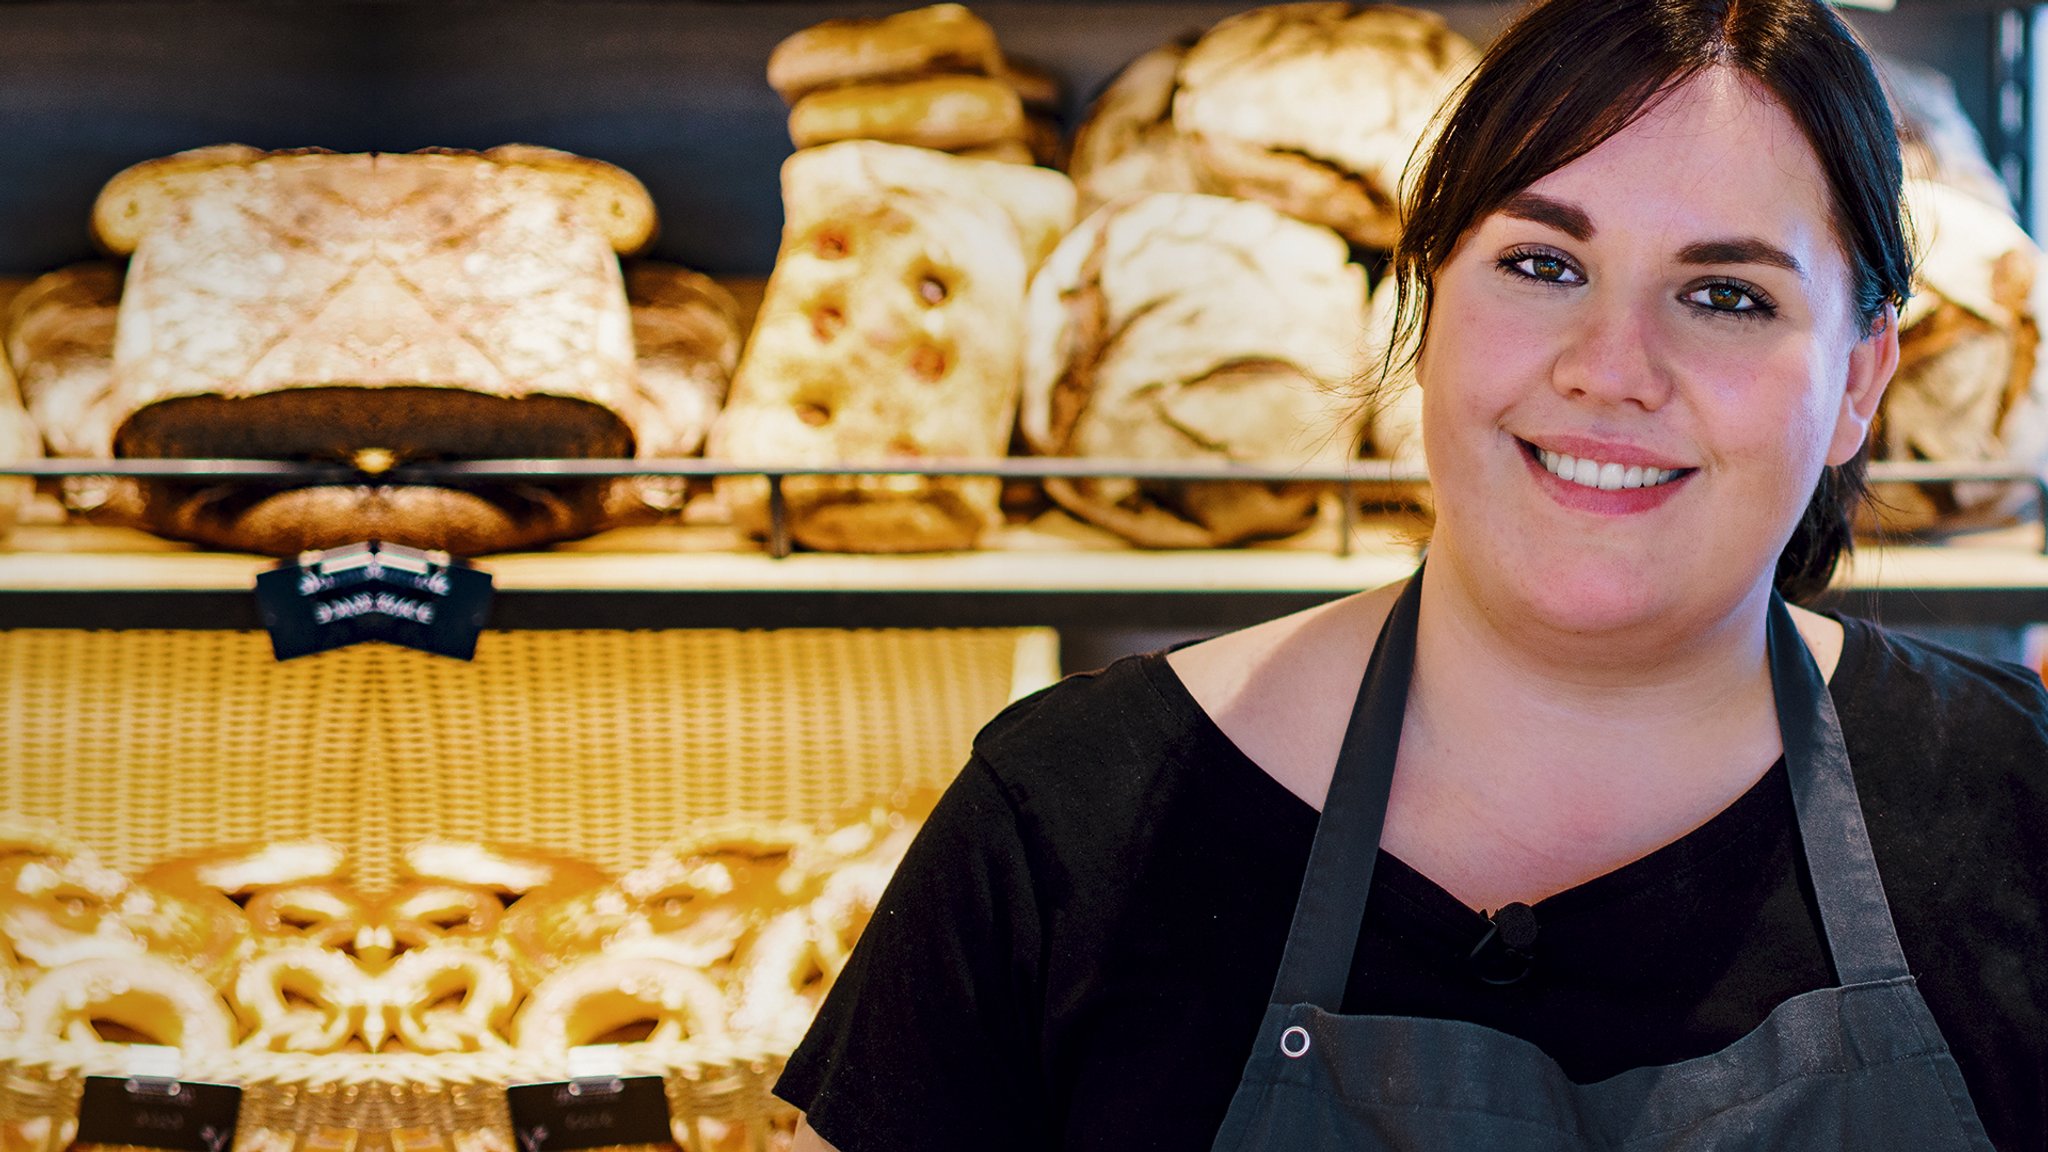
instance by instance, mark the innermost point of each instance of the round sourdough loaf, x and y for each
(1315, 108)
(1189, 328)
(1128, 145)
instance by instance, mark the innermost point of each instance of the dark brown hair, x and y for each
(1572, 73)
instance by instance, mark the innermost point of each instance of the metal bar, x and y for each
(1014, 468)
(778, 519)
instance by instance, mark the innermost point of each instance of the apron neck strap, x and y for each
(1316, 964)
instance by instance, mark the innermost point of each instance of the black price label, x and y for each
(570, 1114)
(173, 1114)
(374, 591)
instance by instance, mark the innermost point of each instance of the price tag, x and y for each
(589, 1113)
(148, 1112)
(374, 591)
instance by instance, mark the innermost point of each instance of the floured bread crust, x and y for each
(943, 39)
(1180, 327)
(892, 329)
(1965, 391)
(1314, 108)
(944, 112)
(1128, 145)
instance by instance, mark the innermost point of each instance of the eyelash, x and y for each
(1764, 307)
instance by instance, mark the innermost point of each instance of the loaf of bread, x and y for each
(1966, 390)
(1315, 108)
(1128, 145)
(892, 330)
(943, 39)
(366, 309)
(1187, 328)
(944, 112)
(686, 341)
(19, 443)
(931, 77)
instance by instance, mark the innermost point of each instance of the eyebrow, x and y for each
(1566, 218)
(1742, 250)
(1572, 220)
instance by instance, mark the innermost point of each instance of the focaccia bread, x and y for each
(944, 112)
(371, 309)
(1966, 388)
(1314, 108)
(943, 39)
(1128, 145)
(1180, 327)
(892, 329)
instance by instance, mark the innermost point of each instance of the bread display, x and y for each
(1128, 145)
(1966, 389)
(930, 77)
(1315, 108)
(1179, 327)
(892, 330)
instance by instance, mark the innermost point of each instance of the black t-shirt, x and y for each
(1077, 950)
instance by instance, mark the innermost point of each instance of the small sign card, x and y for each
(599, 1112)
(148, 1112)
(374, 591)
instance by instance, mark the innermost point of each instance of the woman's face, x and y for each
(1635, 370)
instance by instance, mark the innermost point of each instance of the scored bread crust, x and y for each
(944, 112)
(1128, 145)
(1189, 328)
(891, 329)
(1315, 108)
(939, 39)
(1969, 338)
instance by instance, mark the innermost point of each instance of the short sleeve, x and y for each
(928, 1038)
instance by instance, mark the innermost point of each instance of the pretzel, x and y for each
(414, 995)
(58, 905)
(303, 998)
(781, 977)
(138, 998)
(606, 996)
(324, 915)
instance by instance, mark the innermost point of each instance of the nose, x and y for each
(1610, 356)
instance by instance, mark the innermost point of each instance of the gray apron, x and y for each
(1858, 1067)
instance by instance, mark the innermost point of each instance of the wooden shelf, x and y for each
(1052, 571)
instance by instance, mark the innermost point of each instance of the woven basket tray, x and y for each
(598, 745)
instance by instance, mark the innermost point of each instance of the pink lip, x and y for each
(1605, 451)
(1599, 501)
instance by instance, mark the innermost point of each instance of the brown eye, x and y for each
(1546, 267)
(1724, 297)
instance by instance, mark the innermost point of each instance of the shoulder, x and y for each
(1948, 707)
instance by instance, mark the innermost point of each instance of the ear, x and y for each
(1871, 364)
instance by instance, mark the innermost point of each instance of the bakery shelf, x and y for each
(1051, 572)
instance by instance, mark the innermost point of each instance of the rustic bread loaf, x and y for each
(60, 337)
(1128, 145)
(891, 330)
(1314, 108)
(686, 336)
(19, 444)
(1179, 327)
(943, 39)
(1966, 390)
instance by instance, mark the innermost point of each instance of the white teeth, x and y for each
(1606, 477)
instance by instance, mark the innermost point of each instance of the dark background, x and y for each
(673, 91)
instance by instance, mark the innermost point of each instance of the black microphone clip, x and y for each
(1507, 953)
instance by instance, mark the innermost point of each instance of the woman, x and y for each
(1654, 263)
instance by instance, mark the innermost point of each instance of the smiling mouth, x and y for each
(1602, 475)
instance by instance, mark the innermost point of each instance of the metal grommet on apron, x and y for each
(1858, 1066)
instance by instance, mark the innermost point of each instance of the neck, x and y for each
(1687, 703)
